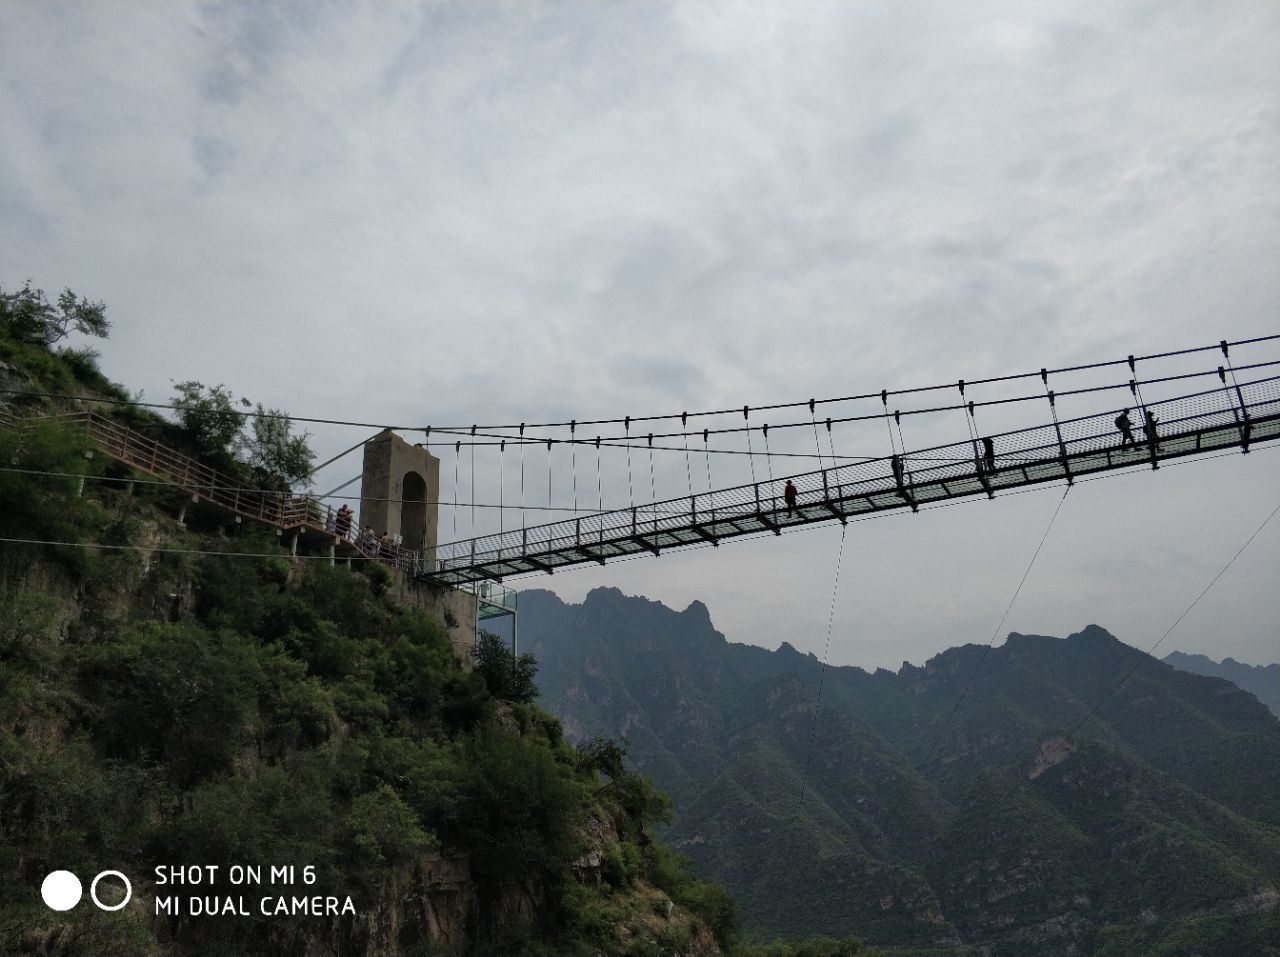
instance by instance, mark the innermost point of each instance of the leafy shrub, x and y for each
(46, 506)
(383, 830)
(641, 803)
(620, 865)
(509, 677)
(518, 808)
(671, 873)
(82, 363)
(173, 693)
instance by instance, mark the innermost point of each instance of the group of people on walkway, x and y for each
(1125, 425)
(366, 539)
(987, 462)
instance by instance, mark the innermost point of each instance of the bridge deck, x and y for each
(1193, 424)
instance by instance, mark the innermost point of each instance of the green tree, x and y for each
(209, 417)
(276, 455)
(27, 315)
(509, 677)
(519, 807)
(643, 804)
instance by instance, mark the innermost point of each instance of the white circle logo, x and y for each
(61, 890)
(93, 890)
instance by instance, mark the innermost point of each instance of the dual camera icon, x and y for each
(62, 890)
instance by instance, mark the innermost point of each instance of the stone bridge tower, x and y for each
(399, 495)
(399, 489)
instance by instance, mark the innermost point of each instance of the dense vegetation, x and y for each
(1153, 822)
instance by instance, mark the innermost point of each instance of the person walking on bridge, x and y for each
(1150, 428)
(1125, 425)
(789, 495)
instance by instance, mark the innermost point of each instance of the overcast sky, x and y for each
(480, 212)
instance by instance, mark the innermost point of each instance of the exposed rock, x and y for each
(1052, 753)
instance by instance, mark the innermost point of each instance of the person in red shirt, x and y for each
(789, 495)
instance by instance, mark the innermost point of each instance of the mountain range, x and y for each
(1262, 681)
(1023, 797)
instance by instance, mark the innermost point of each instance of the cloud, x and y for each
(464, 212)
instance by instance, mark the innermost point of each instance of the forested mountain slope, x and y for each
(1155, 820)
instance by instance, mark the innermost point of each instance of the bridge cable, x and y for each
(884, 399)
(502, 509)
(817, 444)
(746, 413)
(653, 488)
(524, 516)
(974, 437)
(871, 395)
(822, 673)
(706, 451)
(1034, 397)
(631, 488)
(473, 486)
(335, 458)
(549, 441)
(457, 455)
(1186, 611)
(328, 494)
(973, 676)
(906, 479)
(1245, 427)
(573, 462)
(688, 467)
(599, 488)
(315, 420)
(767, 457)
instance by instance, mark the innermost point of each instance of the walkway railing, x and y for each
(281, 510)
(1199, 422)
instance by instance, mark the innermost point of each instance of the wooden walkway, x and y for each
(303, 515)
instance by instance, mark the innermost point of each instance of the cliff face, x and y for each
(1153, 820)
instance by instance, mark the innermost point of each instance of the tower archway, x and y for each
(413, 510)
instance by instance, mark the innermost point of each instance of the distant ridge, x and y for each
(1262, 681)
(999, 829)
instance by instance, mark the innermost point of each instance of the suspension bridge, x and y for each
(1199, 422)
(1211, 410)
